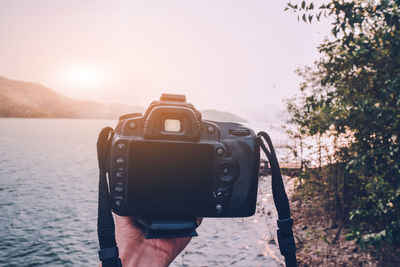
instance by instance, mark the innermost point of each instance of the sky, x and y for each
(237, 56)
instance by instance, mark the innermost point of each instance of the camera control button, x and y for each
(210, 129)
(219, 208)
(220, 151)
(120, 146)
(120, 160)
(222, 191)
(118, 203)
(132, 125)
(119, 189)
(239, 132)
(226, 172)
(120, 174)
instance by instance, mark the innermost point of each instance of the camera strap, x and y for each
(108, 252)
(286, 242)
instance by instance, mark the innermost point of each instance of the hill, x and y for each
(32, 100)
(215, 115)
(20, 99)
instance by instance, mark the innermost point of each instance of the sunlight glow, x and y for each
(85, 76)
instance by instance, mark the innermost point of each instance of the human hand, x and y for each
(136, 250)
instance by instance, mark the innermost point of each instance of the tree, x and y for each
(354, 90)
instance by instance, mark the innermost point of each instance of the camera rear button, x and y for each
(132, 125)
(210, 129)
(220, 151)
(119, 189)
(118, 203)
(120, 174)
(239, 132)
(222, 191)
(120, 146)
(120, 160)
(219, 208)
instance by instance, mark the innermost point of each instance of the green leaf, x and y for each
(350, 236)
(303, 4)
(304, 18)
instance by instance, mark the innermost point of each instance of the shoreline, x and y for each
(319, 243)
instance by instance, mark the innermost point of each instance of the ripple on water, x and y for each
(48, 192)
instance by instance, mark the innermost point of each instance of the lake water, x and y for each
(48, 203)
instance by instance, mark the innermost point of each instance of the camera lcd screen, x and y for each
(170, 177)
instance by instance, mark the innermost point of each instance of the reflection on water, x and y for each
(48, 192)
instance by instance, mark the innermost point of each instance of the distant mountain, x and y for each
(215, 115)
(31, 100)
(268, 114)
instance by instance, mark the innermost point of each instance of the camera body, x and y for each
(170, 163)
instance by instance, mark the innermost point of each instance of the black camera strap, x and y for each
(286, 242)
(108, 252)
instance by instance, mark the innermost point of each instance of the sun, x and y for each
(84, 80)
(85, 76)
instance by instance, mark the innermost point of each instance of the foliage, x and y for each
(353, 91)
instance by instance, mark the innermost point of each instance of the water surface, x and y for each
(48, 203)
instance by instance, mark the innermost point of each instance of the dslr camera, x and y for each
(170, 163)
